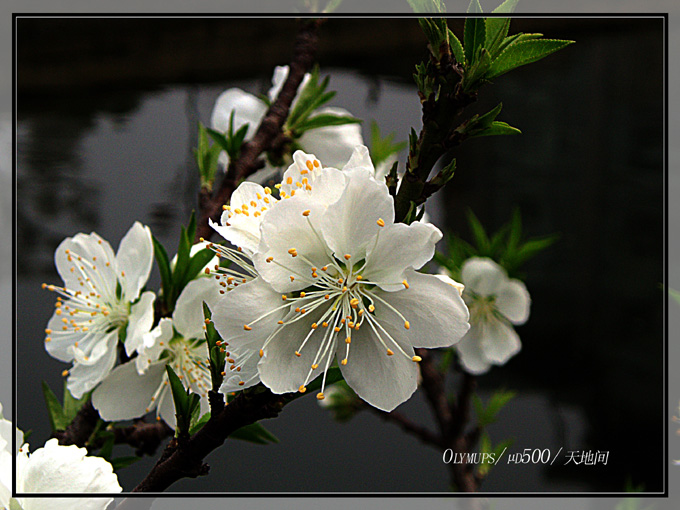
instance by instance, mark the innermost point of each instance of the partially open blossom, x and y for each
(337, 279)
(334, 144)
(100, 300)
(496, 302)
(53, 469)
(139, 386)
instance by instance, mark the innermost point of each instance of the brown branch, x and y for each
(425, 435)
(433, 385)
(186, 460)
(145, 437)
(81, 428)
(269, 132)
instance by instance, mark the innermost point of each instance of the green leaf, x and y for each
(496, 31)
(123, 462)
(71, 404)
(182, 263)
(532, 247)
(474, 37)
(478, 233)
(106, 450)
(196, 263)
(323, 120)
(164, 269)
(54, 410)
(383, 148)
(254, 433)
(675, 295)
(506, 7)
(199, 424)
(488, 414)
(220, 139)
(496, 129)
(456, 48)
(217, 355)
(427, 6)
(191, 229)
(14, 504)
(474, 7)
(181, 399)
(522, 53)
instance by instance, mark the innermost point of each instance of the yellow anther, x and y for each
(380, 222)
(304, 172)
(241, 383)
(315, 275)
(327, 296)
(284, 297)
(253, 203)
(306, 213)
(407, 325)
(405, 283)
(48, 331)
(277, 186)
(359, 277)
(353, 302)
(298, 354)
(315, 366)
(269, 259)
(267, 190)
(416, 359)
(315, 325)
(280, 322)
(302, 310)
(64, 373)
(347, 256)
(292, 193)
(361, 312)
(344, 361)
(302, 389)
(344, 288)
(316, 163)
(337, 329)
(48, 339)
(292, 278)
(246, 327)
(289, 180)
(310, 165)
(297, 310)
(389, 352)
(348, 340)
(324, 268)
(302, 294)
(320, 396)
(340, 280)
(324, 324)
(244, 207)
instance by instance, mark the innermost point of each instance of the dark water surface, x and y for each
(105, 131)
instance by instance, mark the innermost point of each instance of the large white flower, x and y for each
(53, 469)
(100, 298)
(333, 144)
(140, 385)
(496, 303)
(337, 277)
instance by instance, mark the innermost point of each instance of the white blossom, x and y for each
(99, 300)
(337, 278)
(496, 302)
(53, 469)
(333, 144)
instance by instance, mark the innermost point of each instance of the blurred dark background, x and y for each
(107, 112)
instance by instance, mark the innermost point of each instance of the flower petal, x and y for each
(243, 305)
(5, 478)
(134, 259)
(436, 313)
(188, 315)
(88, 371)
(166, 408)
(350, 224)
(470, 352)
(153, 344)
(125, 394)
(513, 301)
(483, 276)
(333, 145)
(281, 370)
(248, 375)
(360, 158)
(381, 380)
(247, 109)
(140, 321)
(400, 247)
(285, 228)
(65, 469)
(499, 341)
(278, 79)
(94, 252)
(241, 226)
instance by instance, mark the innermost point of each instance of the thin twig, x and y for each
(422, 433)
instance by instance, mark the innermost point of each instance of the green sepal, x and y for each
(254, 433)
(522, 53)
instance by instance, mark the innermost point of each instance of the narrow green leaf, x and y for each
(456, 48)
(522, 53)
(219, 138)
(182, 263)
(197, 263)
(323, 120)
(532, 247)
(191, 229)
(506, 7)
(515, 230)
(14, 505)
(487, 119)
(496, 31)
(164, 269)
(474, 7)
(675, 295)
(54, 409)
(478, 232)
(179, 397)
(199, 424)
(123, 462)
(71, 404)
(106, 450)
(497, 129)
(254, 433)
(474, 37)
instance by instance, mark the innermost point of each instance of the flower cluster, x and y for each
(53, 469)
(336, 279)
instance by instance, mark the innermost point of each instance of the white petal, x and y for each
(483, 276)
(66, 469)
(278, 79)
(281, 370)
(242, 306)
(94, 251)
(140, 321)
(125, 394)
(435, 311)
(86, 374)
(134, 259)
(154, 343)
(307, 175)
(248, 375)
(239, 227)
(470, 352)
(60, 343)
(247, 109)
(499, 341)
(188, 315)
(5, 478)
(350, 224)
(450, 281)
(333, 145)
(285, 228)
(381, 380)
(360, 158)
(166, 408)
(400, 247)
(513, 301)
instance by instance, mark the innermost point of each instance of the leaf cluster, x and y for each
(505, 246)
(211, 143)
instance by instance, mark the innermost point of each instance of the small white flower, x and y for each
(139, 386)
(100, 298)
(337, 278)
(54, 469)
(333, 144)
(496, 303)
